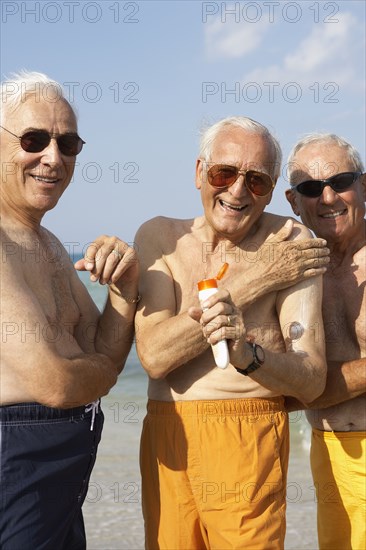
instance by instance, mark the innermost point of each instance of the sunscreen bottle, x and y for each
(206, 288)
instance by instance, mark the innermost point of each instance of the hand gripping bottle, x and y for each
(206, 288)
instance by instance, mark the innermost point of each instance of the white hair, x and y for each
(309, 139)
(209, 135)
(15, 90)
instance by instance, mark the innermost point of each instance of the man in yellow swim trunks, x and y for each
(214, 447)
(328, 191)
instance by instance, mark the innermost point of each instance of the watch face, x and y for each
(259, 352)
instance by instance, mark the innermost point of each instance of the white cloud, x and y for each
(231, 40)
(328, 54)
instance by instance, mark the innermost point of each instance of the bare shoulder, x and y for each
(162, 233)
(274, 223)
(155, 226)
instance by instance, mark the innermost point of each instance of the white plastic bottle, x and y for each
(206, 288)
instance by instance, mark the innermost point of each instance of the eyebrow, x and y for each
(33, 129)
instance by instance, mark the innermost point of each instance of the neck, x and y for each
(19, 218)
(344, 250)
(229, 241)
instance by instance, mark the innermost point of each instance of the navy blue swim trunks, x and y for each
(46, 458)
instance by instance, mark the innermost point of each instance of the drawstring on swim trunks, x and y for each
(94, 406)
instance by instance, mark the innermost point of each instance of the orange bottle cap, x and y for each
(207, 283)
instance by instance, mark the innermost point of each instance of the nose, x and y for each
(51, 154)
(239, 188)
(328, 196)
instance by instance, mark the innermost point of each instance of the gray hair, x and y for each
(16, 89)
(249, 125)
(353, 155)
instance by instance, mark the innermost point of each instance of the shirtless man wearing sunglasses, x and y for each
(214, 447)
(59, 355)
(328, 192)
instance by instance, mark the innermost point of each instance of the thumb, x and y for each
(283, 233)
(195, 313)
(83, 265)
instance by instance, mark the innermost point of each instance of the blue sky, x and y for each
(146, 76)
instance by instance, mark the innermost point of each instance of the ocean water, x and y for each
(112, 510)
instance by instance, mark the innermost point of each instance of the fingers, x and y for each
(283, 233)
(222, 326)
(222, 295)
(107, 258)
(310, 244)
(80, 265)
(195, 313)
(301, 256)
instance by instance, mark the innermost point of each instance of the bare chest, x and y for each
(344, 314)
(50, 283)
(188, 267)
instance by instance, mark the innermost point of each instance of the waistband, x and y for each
(357, 436)
(217, 407)
(35, 412)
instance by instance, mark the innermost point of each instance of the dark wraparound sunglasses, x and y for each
(339, 183)
(36, 141)
(225, 175)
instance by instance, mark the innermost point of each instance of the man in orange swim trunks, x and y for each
(214, 447)
(328, 190)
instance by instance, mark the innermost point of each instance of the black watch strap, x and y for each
(258, 359)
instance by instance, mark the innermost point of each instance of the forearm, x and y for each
(245, 294)
(115, 332)
(169, 344)
(291, 374)
(74, 382)
(344, 381)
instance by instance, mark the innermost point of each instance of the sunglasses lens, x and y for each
(222, 175)
(258, 183)
(35, 142)
(70, 145)
(311, 188)
(341, 182)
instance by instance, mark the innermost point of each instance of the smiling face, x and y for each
(333, 216)
(232, 211)
(32, 183)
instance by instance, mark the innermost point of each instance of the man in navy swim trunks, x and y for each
(59, 354)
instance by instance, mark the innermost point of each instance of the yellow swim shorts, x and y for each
(338, 463)
(214, 474)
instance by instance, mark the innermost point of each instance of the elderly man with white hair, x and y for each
(59, 355)
(328, 192)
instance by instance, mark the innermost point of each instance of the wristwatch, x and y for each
(258, 359)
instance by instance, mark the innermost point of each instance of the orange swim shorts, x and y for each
(338, 463)
(214, 474)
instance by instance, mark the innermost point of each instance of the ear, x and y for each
(270, 195)
(199, 173)
(291, 197)
(363, 183)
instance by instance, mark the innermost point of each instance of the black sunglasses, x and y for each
(225, 175)
(339, 183)
(36, 141)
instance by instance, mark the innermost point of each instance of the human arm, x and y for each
(41, 359)
(294, 347)
(111, 261)
(345, 381)
(165, 340)
(282, 260)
